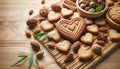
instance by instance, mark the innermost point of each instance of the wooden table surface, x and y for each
(13, 16)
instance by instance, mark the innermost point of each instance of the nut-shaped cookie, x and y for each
(54, 35)
(96, 49)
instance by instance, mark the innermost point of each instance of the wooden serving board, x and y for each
(76, 64)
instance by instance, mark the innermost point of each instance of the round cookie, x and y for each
(114, 14)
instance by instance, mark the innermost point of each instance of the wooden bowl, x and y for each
(91, 15)
(112, 23)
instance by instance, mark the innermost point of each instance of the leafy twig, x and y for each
(23, 57)
(30, 62)
(37, 62)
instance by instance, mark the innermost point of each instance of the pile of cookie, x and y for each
(75, 37)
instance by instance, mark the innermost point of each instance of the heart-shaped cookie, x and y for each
(93, 29)
(114, 35)
(63, 46)
(85, 55)
(71, 29)
(87, 39)
(53, 16)
(66, 13)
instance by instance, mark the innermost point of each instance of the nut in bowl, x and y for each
(112, 17)
(91, 8)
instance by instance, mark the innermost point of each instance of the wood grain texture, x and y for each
(13, 16)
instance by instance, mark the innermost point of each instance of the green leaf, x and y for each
(42, 38)
(92, 10)
(22, 55)
(19, 60)
(30, 62)
(40, 34)
(37, 62)
(99, 8)
(46, 38)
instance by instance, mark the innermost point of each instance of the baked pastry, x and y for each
(71, 29)
(114, 14)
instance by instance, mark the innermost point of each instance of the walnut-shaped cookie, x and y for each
(54, 35)
(46, 26)
(63, 46)
(88, 38)
(93, 29)
(66, 13)
(114, 35)
(85, 55)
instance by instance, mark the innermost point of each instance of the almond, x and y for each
(35, 45)
(28, 33)
(32, 23)
(68, 58)
(39, 54)
(30, 12)
(51, 45)
(76, 46)
(100, 42)
(36, 30)
(41, 19)
(42, 1)
(56, 7)
(103, 29)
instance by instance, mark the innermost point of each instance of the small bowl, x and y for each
(91, 15)
(112, 23)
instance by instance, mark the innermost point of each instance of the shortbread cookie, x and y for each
(63, 46)
(114, 35)
(53, 35)
(88, 21)
(114, 14)
(93, 29)
(100, 21)
(85, 55)
(76, 14)
(54, 16)
(66, 13)
(46, 26)
(71, 29)
(88, 38)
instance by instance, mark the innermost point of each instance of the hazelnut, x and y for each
(32, 23)
(83, 6)
(96, 49)
(56, 7)
(92, 4)
(44, 11)
(42, 1)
